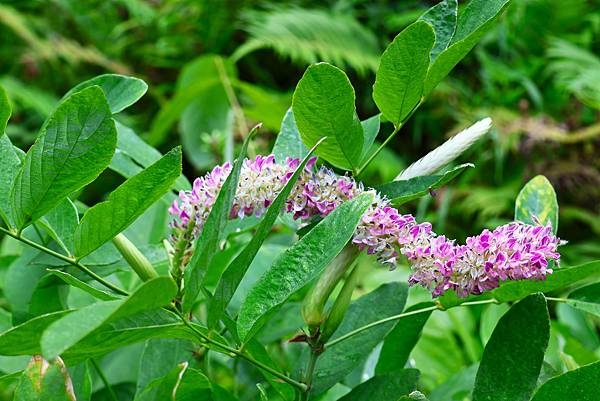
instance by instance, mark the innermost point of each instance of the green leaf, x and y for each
(586, 299)
(371, 129)
(105, 220)
(213, 231)
(513, 356)
(300, 264)
(560, 279)
(5, 110)
(406, 190)
(401, 74)
(60, 223)
(537, 201)
(121, 91)
(401, 340)
(44, 381)
(288, 142)
(74, 146)
(181, 384)
(67, 331)
(323, 105)
(385, 387)
(160, 356)
(442, 17)
(24, 339)
(235, 272)
(476, 19)
(75, 282)
(9, 165)
(342, 358)
(260, 353)
(577, 385)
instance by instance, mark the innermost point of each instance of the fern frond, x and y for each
(308, 35)
(446, 152)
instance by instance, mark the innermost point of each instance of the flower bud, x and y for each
(135, 258)
(340, 306)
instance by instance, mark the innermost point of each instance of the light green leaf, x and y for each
(586, 299)
(537, 200)
(371, 129)
(300, 264)
(385, 387)
(45, 381)
(288, 142)
(24, 339)
(75, 282)
(401, 74)
(323, 105)
(401, 340)
(475, 21)
(74, 146)
(5, 110)
(160, 356)
(181, 384)
(342, 358)
(442, 17)
(105, 220)
(121, 91)
(577, 385)
(514, 354)
(60, 223)
(9, 165)
(560, 279)
(406, 190)
(67, 331)
(235, 272)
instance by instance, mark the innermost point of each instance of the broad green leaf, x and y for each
(24, 339)
(399, 80)
(260, 353)
(105, 220)
(121, 91)
(342, 358)
(181, 384)
(5, 110)
(513, 356)
(401, 340)
(9, 165)
(213, 231)
(45, 381)
(474, 21)
(385, 387)
(537, 200)
(160, 356)
(560, 279)
(577, 385)
(288, 142)
(67, 331)
(300, 264)
(60, 223)
(406, 190)
(371, 129)
(442, 17)
(586, 299)
(75, 282)
(323, 105)
(74, 146)
(235, 272)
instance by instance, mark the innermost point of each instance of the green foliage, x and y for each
(44, 381)
(580, 384)
(537, 202)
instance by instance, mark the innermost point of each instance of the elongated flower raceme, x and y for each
(515, 251)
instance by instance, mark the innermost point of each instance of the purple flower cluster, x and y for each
(514, 251)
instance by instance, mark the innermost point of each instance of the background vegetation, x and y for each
(215, 68)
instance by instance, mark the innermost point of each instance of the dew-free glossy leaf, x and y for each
(371, 129)
(399, 80)
(235, 272)
(473, 22)
(577, 385)
(385, 387)
(323, 105)
(342, 358)
(560, 279)
(45, 381)
(74, 146)
(105, 220)
(406, 190)
(537, 200)
(60, 223)
(121, 91)
(300, 264)
(67, 331)
(288, 142)
(513, 356)
(9, 165)
(442, 17)
(401, 340)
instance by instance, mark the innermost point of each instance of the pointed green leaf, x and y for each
(385, 387)
(577, 385)
(513, 356)
(60, 223)
(9, 165)
(399, 80)
(121, 91)
(323, 105)
(105, 220)
(442, 17)
(74, 146)
(371, 129)
(537, 201)
(90, 289)
(288, 142)
(5, 110)
(300, 264)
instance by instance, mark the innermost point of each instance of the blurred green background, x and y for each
(215, 68)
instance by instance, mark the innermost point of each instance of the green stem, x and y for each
(64, 258)
(110, 390)
(308, 376)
